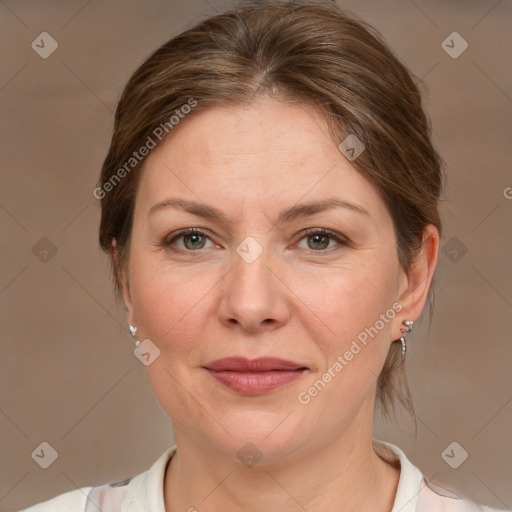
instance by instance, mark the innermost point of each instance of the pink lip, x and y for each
(257, 376)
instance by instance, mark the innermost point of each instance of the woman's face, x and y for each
(259, 281)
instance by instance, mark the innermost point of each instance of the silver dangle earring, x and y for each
(133, 332)
(408, 324)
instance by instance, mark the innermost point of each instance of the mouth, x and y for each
(257, 376)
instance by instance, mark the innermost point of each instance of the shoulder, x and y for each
(415, 493)
(73, 501)
(143, 492)
(434, 498)
(107, 498)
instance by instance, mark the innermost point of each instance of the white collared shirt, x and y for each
(145, 492)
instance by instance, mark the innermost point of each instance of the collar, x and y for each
(411, 478)
(145, 492)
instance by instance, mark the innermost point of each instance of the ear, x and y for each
(415, 284)
(124, 283)
(127, 298)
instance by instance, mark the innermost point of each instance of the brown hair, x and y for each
(313, 53)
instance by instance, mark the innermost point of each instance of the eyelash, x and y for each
(307, 233)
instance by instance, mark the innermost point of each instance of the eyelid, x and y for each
(168, 240)
(340, 239)
(337, 237)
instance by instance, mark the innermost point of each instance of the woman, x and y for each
(270, 208)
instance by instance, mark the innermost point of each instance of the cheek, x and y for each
(171, 309)
(171, 304)
(353, 344)
(348, 301)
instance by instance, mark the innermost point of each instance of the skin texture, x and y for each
(304, 299)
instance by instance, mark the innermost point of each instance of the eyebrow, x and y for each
(293, 213)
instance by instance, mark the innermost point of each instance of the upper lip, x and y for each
(262, 364)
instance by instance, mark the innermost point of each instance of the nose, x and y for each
(254, 295)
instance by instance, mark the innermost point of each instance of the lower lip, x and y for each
(256, 383)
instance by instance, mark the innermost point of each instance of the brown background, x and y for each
(68, 374)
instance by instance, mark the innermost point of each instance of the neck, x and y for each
(345, 474)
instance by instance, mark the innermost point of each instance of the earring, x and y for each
(408, 324)
(133, 332)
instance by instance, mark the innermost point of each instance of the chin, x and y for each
(268, 436)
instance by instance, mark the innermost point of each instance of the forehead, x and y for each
(269, 151)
